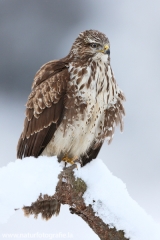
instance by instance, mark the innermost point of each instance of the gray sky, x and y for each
(34, 32)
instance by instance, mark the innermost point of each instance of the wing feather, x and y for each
(44, 109)
(48, 70)
(91, 153)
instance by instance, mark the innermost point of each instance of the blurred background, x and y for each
(35, 32)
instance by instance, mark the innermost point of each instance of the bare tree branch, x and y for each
(70, 191)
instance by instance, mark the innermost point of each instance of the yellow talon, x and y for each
(69, 160)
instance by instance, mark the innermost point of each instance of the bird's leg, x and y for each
(69, 160)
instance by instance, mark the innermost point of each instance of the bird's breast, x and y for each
(94, 82)
(90, 91)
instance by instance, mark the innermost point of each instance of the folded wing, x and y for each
(44, 109)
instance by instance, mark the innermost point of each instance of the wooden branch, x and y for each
(70, 191)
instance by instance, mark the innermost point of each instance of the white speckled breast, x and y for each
(97, 90)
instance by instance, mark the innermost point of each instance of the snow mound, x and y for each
(21, 183)
(113, 203)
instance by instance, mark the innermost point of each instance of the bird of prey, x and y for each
(74, 105)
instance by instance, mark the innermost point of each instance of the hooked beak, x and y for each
(106, 49)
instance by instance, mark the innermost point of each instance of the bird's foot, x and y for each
(69, 160)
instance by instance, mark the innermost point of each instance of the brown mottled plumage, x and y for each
(75, 103)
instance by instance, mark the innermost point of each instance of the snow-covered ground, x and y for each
(21, 183)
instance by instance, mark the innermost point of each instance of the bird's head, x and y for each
(91, 44)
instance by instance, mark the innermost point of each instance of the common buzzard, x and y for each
(74, 105)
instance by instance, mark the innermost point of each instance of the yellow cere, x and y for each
(106, 47)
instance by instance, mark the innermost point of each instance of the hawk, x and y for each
(74, 105)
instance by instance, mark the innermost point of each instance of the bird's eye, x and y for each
(94, 45)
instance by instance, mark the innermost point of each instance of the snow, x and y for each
(21, 183)
(113, 203)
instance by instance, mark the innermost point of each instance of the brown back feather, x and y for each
(48, 70)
